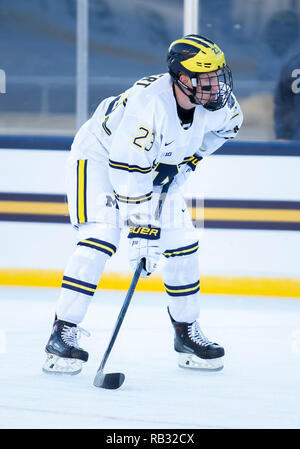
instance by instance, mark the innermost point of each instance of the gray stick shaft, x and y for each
(132, 287)
(162, 199)
(122, 313)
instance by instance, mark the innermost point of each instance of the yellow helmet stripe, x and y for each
(190, 42)
(203, 40)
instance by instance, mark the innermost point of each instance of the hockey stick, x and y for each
(113, 381)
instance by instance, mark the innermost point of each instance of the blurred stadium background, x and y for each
(127, 40)
(250, 187)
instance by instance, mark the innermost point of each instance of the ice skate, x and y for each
(64, 356)
(195, 351)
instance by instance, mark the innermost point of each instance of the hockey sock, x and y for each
(181, 278)
(84, 270)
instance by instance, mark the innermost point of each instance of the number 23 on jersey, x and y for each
(144, 139)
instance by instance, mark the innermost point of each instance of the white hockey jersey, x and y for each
(141, 137)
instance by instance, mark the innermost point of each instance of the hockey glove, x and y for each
(144, 244)
(194, 161)
(187, 169)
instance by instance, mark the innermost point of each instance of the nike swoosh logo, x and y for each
(168, 143)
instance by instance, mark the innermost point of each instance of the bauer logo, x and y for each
(2, 82)
(296, 82)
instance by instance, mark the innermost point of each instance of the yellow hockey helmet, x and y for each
(194, 56)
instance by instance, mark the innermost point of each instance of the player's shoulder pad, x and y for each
(231, 101)
(151, 86)
(146, 95)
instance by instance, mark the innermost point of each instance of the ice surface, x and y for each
(259, 386)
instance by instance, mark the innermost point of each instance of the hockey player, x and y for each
(155, 132)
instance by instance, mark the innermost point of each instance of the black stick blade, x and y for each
(110, 381)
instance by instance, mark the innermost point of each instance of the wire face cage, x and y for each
(213, 89)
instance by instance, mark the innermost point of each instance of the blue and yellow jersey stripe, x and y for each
(183, 290)
(81, 191)
(130, 168)
(78, 286)
(183, 251)
(99, 245)
(104, 126)
(133, 199)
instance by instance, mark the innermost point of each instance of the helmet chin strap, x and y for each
(184, 88)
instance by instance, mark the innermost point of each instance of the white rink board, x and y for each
(222, 252)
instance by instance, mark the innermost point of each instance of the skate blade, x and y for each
(191, 361)
(59, 365)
